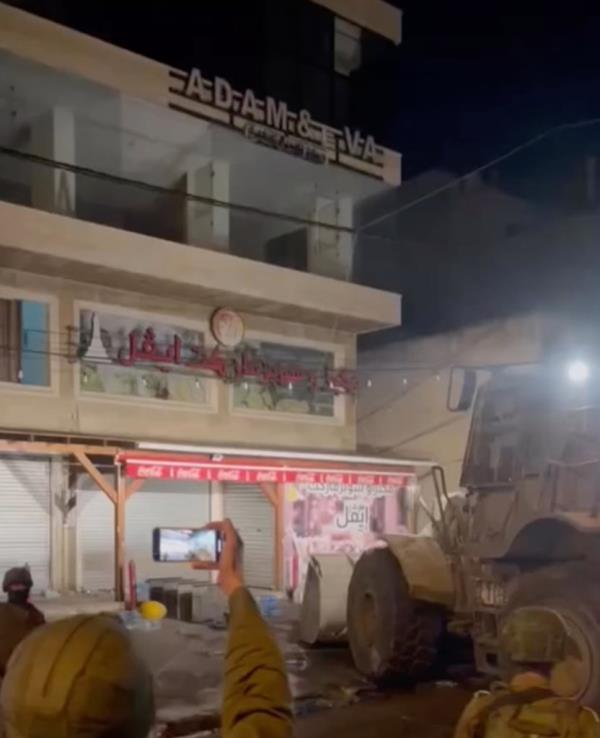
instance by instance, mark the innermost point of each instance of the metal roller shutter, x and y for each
(254, 517)
(96, 537)
(169, 504)
(163, 504)
(25, 517)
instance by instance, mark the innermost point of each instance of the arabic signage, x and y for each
(306, 385)
(125, 356)
(243, 473)
(106, 348)
(271, 123)
(354, 516)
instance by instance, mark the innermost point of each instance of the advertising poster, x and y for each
(338, 519)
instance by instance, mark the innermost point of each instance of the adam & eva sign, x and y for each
(270, 122)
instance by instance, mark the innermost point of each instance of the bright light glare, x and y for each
(578, 372)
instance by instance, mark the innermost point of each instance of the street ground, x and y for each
(329, 696)
(187, 660)
(430, 711)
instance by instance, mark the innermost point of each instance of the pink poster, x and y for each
(338, 519)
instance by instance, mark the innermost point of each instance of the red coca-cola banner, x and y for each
(250, 474)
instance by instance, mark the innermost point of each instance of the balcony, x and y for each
(93, 227)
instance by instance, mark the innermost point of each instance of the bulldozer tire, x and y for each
(392, 637)
(572, 591)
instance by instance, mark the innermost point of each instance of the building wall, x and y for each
(404, 413)
(63, 408)
(68, 51)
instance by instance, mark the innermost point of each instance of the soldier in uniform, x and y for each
(17, 584)
(80, 677)
(18, 617)
(540, 697)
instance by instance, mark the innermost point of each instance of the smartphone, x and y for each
(177, 545)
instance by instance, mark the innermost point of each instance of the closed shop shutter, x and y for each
(254, 517)
(25, 517)
(163, 504)
(157, 504)
(95, 536)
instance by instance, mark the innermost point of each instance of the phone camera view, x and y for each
(187, 544)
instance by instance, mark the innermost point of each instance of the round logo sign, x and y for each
(227, 327)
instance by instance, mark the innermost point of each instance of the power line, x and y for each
(162, 191)
(503, 157)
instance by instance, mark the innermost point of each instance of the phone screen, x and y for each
(186, 544)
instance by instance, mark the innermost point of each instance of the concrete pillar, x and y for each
(62, 527)
(53, 137)
(207, 225)
(345, 218)
(331, 252)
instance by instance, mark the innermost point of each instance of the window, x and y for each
(24, 342)
(347, 47)
(493, 459)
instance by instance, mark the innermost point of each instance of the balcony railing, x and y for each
(175, 215)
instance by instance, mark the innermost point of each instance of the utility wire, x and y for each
(503, 157)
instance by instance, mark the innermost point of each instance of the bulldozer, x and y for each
(525, 534)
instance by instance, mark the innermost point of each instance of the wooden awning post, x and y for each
(95, 475)
(279, 534)
(273, 492)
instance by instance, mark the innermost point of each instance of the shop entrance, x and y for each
(254, 517)
(25, 519)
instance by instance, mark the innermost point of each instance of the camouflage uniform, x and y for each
(257, 698)
(80, 677)
(531, 704)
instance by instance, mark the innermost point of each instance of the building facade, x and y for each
(176, 276)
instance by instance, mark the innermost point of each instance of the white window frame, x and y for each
(54, 343)
(351, 31)
(200, 325)
(340, 402)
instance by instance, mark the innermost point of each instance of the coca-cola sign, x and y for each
(204, 471)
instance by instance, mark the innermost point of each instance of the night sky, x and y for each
(475, 78)
(474, 81)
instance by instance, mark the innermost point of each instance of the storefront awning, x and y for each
(190, 467)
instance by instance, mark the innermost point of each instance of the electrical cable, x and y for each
(503, 157)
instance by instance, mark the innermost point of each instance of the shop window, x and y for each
(347, 47)
(24, 342)
(112, 362)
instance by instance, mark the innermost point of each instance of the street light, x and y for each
(578, 371)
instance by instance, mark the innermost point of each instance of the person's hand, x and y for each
(230, 576)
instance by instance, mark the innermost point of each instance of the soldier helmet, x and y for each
(18, 575)
(534, 635)
(77, 676)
